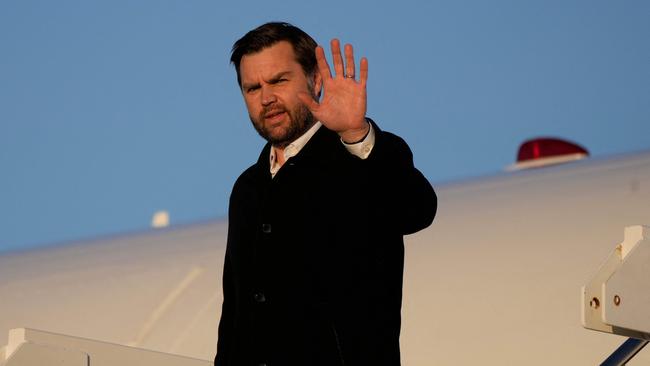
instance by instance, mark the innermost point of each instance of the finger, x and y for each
(323, 66)
(349, 61)
(337, 59)
(309, 101)
(363, 67)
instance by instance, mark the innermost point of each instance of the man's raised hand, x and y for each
(342, 107)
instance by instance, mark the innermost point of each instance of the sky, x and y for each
(113, 110)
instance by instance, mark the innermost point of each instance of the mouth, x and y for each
(274, 116)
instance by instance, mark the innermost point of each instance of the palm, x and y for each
(343, 105)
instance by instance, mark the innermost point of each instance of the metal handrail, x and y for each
(625, 352)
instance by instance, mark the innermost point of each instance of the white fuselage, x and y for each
(495, 280)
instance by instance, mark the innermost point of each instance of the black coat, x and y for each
(314, 259)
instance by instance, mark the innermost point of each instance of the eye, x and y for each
(278, 81)
(252, 89)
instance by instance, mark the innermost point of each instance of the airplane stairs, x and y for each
(30, 347)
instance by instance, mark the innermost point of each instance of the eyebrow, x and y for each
(272, 80)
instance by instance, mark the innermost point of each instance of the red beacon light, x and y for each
(545, 151)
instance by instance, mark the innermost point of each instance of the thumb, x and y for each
(309, 101)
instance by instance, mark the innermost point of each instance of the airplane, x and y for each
(495, 280)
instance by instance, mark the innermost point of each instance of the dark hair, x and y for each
(271, 33)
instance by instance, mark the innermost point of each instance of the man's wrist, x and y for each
(355, 136)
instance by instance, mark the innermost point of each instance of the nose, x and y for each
(268, 95)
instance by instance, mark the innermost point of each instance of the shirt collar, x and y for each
(293, 148)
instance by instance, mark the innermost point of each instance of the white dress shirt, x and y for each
(361, 149)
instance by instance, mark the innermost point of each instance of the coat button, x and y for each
(259, 297)
(266, 228)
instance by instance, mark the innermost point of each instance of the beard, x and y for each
(299, 121)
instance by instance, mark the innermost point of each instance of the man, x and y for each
(314, 260)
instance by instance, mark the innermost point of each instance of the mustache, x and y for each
(271, 110)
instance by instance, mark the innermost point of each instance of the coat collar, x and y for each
(322, 146)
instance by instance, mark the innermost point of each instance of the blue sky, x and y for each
(112, 110)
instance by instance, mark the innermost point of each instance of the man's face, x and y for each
(271, 80)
